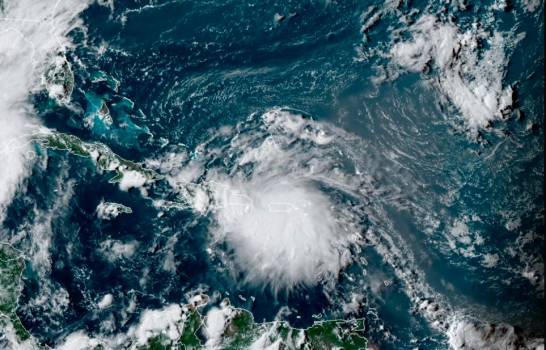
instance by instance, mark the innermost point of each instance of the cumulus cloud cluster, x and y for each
(31, 33)
(471, 78)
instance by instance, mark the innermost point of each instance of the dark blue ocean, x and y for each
(452, 211)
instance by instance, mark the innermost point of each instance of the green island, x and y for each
(111, 210)
(103, 157)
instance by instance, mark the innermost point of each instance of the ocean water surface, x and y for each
(302, 161)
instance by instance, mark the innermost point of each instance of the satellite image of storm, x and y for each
(281, 175)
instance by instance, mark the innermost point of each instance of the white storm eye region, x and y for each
(282, 231)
